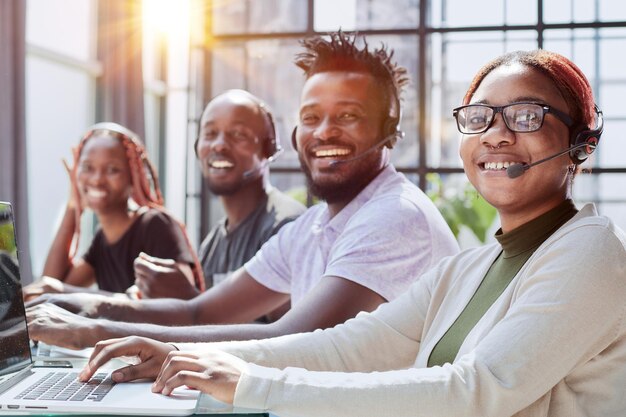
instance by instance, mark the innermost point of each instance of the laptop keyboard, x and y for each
(64, 386)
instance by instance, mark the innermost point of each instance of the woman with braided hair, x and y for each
(113, 177)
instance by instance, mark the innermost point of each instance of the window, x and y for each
(443, 43)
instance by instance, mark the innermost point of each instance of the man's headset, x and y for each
(582, 135)
(271, 143)
(583, 142)
(391, 126)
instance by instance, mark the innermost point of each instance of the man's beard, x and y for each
(361, 175)
(220, 189)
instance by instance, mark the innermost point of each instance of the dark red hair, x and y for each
(568, 79)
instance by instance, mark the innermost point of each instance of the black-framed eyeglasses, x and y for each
(522, 117)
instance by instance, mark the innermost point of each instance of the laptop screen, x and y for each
(15, 348)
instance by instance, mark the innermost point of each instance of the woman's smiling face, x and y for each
(486, 154)
(103, 175)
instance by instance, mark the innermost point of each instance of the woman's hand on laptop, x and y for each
(213, 372)
(150, 354)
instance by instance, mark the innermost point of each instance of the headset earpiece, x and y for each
(391, 129)
(195, 146)
(589, 137)
(293, 139)
(271, 144)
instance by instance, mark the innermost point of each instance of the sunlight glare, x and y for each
(167, 17)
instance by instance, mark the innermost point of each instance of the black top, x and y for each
(152, 232)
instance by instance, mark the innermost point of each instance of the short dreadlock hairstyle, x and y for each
(340, 53)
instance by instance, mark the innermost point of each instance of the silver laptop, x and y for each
(25, 389)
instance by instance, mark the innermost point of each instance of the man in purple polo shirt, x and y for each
(373, 235)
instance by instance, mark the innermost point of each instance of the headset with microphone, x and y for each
(391, 130)
(255, 171)
(583, 142)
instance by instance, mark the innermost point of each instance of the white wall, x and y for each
(60, 92)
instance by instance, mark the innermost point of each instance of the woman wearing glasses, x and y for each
(533, 325)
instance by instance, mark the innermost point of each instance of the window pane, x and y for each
(568, 11)
(594, 51)
(607, 191)
(611, 99)
(454, 13)
(612, 48)
(610, 151)
(266, 69)
(612, 10)
(228, 66)
(521, 12)
(599, 54)
(565, 11)
(259, 16)
(331, 15)
(229, 17)
(455, 58)
(384, 14)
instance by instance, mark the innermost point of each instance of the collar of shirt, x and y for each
(324, 224)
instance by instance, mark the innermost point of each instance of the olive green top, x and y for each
(517, 247)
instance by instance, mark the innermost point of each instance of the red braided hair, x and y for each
(146, 191)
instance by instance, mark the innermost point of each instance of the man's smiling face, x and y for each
(230, 143)
(341, 117)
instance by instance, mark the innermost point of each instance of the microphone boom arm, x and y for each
(516, 170)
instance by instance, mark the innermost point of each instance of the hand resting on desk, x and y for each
(212, 372)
